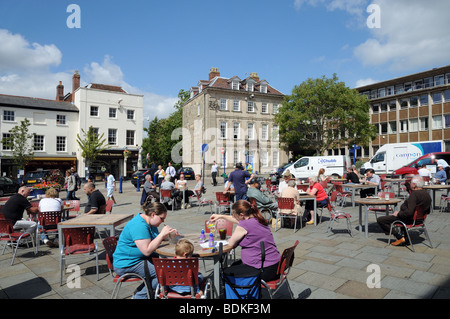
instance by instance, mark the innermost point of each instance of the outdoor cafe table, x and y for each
(395, 181)
(371, 201)
(361, 186)
(434, 188)
(108, 221)
(167, 249)
(304, 197)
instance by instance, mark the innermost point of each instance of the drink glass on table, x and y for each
(223, 233)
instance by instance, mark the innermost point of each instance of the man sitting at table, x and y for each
(351, 176)
(418, 197)
(262, 201)
(149, 189)
(96, 203)
(15, 206)
(441, 175)
(370, 179)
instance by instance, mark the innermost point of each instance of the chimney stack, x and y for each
(60, 92)
(213, 72)
(255, 76)
(75, 84)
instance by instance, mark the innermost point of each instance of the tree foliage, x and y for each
(323, 114)
(22, 151)
(158, 142)
(91, 144)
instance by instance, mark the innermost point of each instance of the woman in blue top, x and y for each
(138, 242)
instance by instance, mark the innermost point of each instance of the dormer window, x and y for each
(263, 86)
(235, 83)
(250, 85)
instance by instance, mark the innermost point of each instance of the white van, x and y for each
(391, 157)
(310, 165)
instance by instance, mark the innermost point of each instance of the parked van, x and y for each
(391, 157)
(428, 159)
(310, 165)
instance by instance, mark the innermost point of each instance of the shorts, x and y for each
(109, 191)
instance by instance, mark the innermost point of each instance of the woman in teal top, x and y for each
(138, 242)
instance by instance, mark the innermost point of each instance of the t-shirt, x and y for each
(237, 177)
(110, 181)
(127, 254)
(352, 177)
(250, 244)
(14, 207)
(320, 194)
(50, 205)
(96, 200)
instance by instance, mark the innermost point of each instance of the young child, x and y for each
(184, 249)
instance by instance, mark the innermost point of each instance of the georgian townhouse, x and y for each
(235, 118)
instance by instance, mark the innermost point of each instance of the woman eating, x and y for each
(138, 242)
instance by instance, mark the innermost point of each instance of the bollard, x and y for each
(137, 183)
(120, 185)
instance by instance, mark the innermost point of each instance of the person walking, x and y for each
(214, 167)
(110, 186)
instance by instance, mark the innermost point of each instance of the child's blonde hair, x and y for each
(184, 248)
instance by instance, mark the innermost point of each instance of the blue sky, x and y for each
(156, 48)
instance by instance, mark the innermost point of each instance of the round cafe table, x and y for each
(373, 201)
(433, 188)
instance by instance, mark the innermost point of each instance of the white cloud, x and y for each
(25, 70)
(110, 73)
(413, 34)
(16, 53)
(364, 82)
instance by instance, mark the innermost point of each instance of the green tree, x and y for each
(323, 114)
(91, 144)
(158, 142)
(22, 151)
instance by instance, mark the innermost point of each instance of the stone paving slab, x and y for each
(332, 265)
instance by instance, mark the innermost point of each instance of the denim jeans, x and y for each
(141, 292)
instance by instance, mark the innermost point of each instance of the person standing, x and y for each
(249, 167)
(237, 178)
(160, 173)
(71, 183)
(110, 186)
(74, 172)
(214, 167)
(170, 170)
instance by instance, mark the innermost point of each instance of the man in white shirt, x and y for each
(214, 172)
(170, 170)
(424, 171)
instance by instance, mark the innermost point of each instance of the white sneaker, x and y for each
(187, 206)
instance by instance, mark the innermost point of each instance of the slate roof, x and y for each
(36, 103)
